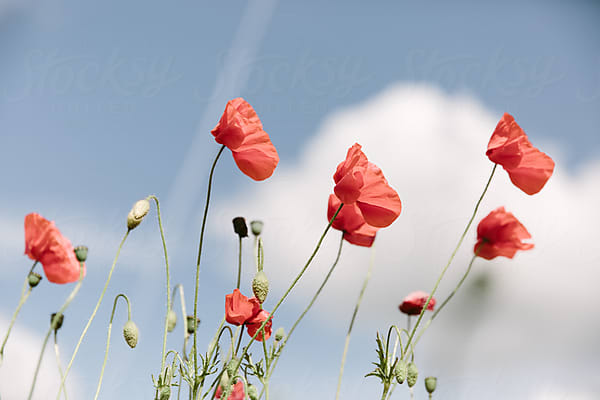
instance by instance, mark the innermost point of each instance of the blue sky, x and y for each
(103, 104)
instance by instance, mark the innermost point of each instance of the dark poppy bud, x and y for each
(130, 333)
(256, 227)
(191, 324)
(430, 384)
(56, 321)
(239, 226)
(252, 392)
(34, 279)
(412, 373)
(81, 253)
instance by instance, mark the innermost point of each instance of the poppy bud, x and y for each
(279, 334)
(252, 392)
(430, 384)
(412, 373)
(56, 321)
(224, 382)
(34, 279)
(171, 320)
(400, 371)
(256, 227)
(81, 253)
(137, 213)
(260, 286)
(240, 227)
(230, 367)
(130, 333)
(191, 324)
(164, 393)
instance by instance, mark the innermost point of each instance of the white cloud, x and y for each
(431, 147)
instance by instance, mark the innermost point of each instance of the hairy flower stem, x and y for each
(60, 371)
(186, 335)
(356, 307)
(293, 284)
(112, 315)
(25, 292)
(195, 345)
(462, 237)
(87, 326)
(55, 318)
(239, 264)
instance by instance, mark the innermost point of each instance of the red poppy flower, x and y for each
(500, 234)
(414, 302)
(242, 132)
(239, 309)
(45, 243)
(528, 168)
(236, 394)
(350, 221)
(255, 323)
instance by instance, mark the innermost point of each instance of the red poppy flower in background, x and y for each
(241, 131)
(361, 182)
(239, 309)
(255, 323)
(350, 221)
(414, 302)
(528, 168)
(500, 234)
(45, 243)
(236, 394)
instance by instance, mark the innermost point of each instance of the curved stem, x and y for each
(462, 237)
(60, 371)
(56, 317)
(356, 307)
(112, 315)
(195, 346)
(164, 243)
(87, 326)
(25, 292)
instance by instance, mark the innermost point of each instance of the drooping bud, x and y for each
(171, 320)
(252, 392)
(56, 321)
(240, 227)
(400, 371)
(34, 279)
(279, 334)
(137, 213)
(231, 371)
(260, 286)
(130, 333)
(81, 253)
(224, 382)
(256, 227)
(192, 324)
(430, 384)
(164, 393)
(412, 373)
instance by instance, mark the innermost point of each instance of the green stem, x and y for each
(87, 326)
(60, 371)
(164, 243)
(386, 388)
(56, 317)
(186, 335)
(267, 365)
(112, 315)
(462, 237)
(239, 264)
(195, 346)
(356, 307)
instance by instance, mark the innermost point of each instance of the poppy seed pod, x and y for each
(81, 253)
(240, 227)
(130, 333)
(279, 334)
(252, 392)
(171, 320)
(34, 279)
(137, 213)
(400, 371)
(412, 373)
(260, 286)
(56, 321)
(430, 384)
(256, 227)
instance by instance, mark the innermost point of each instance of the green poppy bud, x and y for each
(279, 334)
(224, 382)
(130, 333)
(430, 384)
(230, 367)
(252, 392)
(256, 227)
(400, 371)
(240, 227)
(81, 253)
(412, 373)
(34, 279)
(137, 213)
(260, 286)
(171, 320)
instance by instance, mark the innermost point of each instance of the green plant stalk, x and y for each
(112, 315)
(60, 371)
(195, 346)
(186, 335)
(356, 307)
(58, 314)
(462, 237)
(87, 326)
(239, 264)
